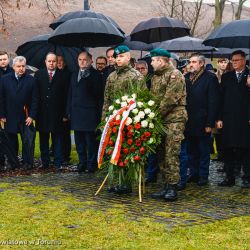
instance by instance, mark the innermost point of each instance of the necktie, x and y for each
(238, 76)
(50, 76)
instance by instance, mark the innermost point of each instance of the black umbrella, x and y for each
(36, 49)
(88, 32)
(7, 149)
(82, 14)
(184, 44)
(223, 52)
(159, 29)
(136, 45)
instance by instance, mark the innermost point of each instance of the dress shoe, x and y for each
(181, 186)
(193, 179)
(80, 168)
(27, 166)
(111, 189)
(160, 194)
(90, 170)
(245, 184)
(203, 181)
(123, 189)
(228, 182)
(150, 180)
(171, 193)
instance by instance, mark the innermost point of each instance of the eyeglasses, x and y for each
(237, 60)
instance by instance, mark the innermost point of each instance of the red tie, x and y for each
(50, 75)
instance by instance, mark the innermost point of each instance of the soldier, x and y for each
(168, 85)
(118, 81)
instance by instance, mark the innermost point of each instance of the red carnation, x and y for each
(130, 141)
(143, 138)
(138, 143)
(121, 164)
(132, 149)
(111, 124)
(137, 126)
(117, 122)
(129, 134)
(111, 143)
(147, 134)
(125, 151)
(142, 151)
(125, 162)
(114, 129)
(137, 158)
(109, 152)
(129, 127)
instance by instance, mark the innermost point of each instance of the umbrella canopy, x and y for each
(83, 14)
(223, 52)
(136, 45)
(36, 49)
(159, 29)
(89, 32)
(235, 34)
(184, 44)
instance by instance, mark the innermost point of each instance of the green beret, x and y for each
(160, 52)
(120, 50)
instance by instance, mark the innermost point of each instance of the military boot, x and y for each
(171, 193)
(160, 194)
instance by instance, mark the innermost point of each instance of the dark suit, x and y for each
(83, 110)
(2, 73)
(14, 95)
(202, 106)
(235, 107)
(51, 110)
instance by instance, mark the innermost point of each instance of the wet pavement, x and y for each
(196, 205)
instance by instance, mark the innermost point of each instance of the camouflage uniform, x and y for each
(168, 85)
(118, 81)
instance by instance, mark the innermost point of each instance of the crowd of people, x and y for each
(196, 102)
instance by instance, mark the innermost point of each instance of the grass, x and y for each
(31, 213)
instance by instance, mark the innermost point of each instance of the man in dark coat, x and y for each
(4, 69)
(52, 87)
(83, 110)
(202, 104)
(234, 120)
(17, 90)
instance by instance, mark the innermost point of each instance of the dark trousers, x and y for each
(44, 148)
(235, 159)
(199, 155)
(183, 162)
(86, 147)
(2, 159)
(152, 167)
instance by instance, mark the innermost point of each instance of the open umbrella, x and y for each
(36, 49)
(235, 34)
(7, 149)
(83, 14)
(223, 52)
(88, 32)
(159, 29)
(184, 44)
(136, 45)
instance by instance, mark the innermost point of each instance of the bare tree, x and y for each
(239, 9)
(190, 13)
(219, 6)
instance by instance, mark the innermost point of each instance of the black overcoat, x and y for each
(235, 110)
(202, 103)
(84, 101)
(52, 100)
(14, 96)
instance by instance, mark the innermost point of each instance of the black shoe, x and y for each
(245, 184)
(123, 189)
(171, 193)
(80, 168)
(227, 183)
(27, 166)
(193, 179)
(181, 186)
(203, 181)
(150, 180)
(111, 189)
(160, 194)
(90, 170)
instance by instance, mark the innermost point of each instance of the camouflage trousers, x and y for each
(169, 152)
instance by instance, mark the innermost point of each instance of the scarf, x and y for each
(194, 77)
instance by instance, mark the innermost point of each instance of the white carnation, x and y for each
(123, 104)
(117, 101)
(114, 112)
(125, 98)
(147, 111)
(135, 111)
(129, 121)
(111, 108)
(151, 103)
(137, 119)
(151, 125)
(144, 123)
(151, 115)
(134, 96)
(139, 104)
(118, 117)
(106, 119)
(129, 99)
(151, 140)
(141, 114)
